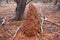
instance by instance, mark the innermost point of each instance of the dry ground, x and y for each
(51, 26)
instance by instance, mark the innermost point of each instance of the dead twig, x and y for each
(10, 33)
(53, 23)
(42, 21)
(17, 31)
(2, 21)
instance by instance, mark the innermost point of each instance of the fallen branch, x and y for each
(53, 23)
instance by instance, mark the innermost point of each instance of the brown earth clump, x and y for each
(31, 25)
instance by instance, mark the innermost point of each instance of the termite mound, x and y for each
(31, 24)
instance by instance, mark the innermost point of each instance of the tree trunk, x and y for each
(50, 1)
(56, 2)
(20, 9)
(7, 1)
(0, 2)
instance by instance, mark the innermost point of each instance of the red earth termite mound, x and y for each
(31, 25)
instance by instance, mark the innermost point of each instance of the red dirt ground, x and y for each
(31, 25)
